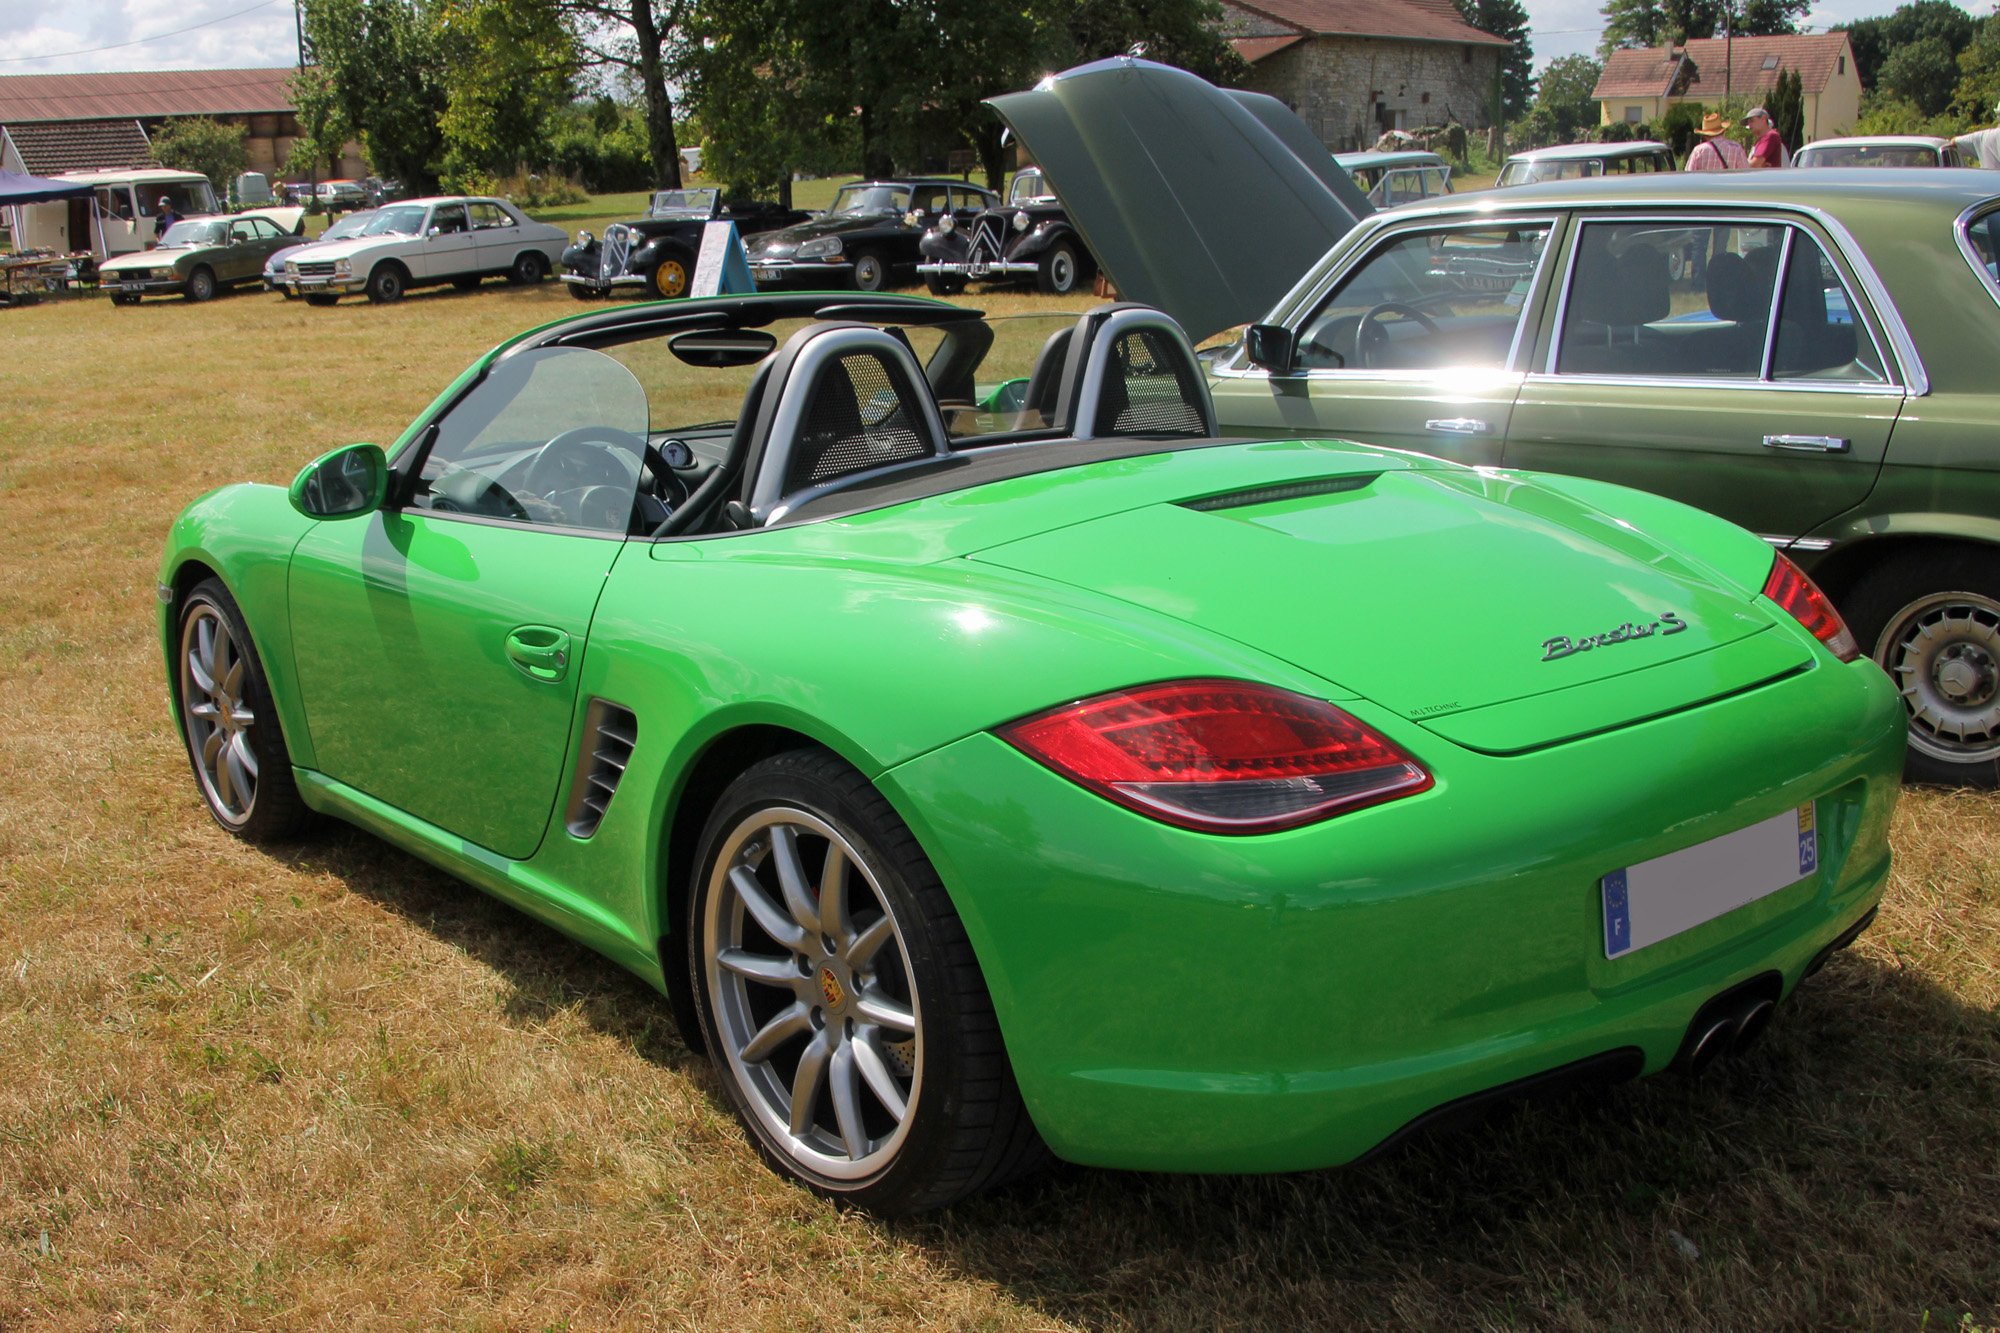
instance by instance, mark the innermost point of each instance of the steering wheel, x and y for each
(467, 491)
(1371, 338)
(586, 456)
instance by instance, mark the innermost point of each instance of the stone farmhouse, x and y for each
(1639, 84)
(1352, 69)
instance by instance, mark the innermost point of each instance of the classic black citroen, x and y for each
(655, 255)
(1030, 239)
(868, 239)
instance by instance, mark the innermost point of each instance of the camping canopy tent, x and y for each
(19, 188)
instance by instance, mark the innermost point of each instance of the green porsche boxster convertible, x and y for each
(988, 760)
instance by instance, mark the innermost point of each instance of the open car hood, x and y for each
(1207, 204)
(1492, 611)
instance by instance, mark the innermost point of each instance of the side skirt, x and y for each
(515, 883)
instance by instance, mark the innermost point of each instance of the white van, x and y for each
(126, 214)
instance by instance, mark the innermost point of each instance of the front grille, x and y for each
(610, 732)
(988, 244)
(321, 270)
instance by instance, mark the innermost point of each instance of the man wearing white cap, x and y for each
(1767, 148)
(1981, 147)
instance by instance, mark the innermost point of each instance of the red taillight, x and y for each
(1789, 587)
(1220, 756)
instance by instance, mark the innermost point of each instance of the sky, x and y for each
(40, 37)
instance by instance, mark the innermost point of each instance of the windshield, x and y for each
(185, 197)
(1868, 155)
(194, 233)
(354, 224)
(1561, 169)
(870, 201)
(395, 222)
(1030, 188)
(683, 203)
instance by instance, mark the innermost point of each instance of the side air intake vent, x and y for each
(609, 733)
(1293, 490)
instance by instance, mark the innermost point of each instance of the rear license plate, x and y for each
(1658, 899)
(764, 274)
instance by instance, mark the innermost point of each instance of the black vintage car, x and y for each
(1030, 239)
(654, 256)
(868, 239)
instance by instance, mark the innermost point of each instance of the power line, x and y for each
(140, 41)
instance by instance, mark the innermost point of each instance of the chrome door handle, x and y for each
(1808, 444)
(1458, 426)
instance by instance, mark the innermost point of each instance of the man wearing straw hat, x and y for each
(1717, 151)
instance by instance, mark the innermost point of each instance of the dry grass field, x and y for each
(329, 1087)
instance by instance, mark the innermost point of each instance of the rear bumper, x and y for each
(1175, 1001)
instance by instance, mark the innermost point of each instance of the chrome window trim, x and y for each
(1889, 391)
(1783, 276)
(1961, 228)
(1910, 377)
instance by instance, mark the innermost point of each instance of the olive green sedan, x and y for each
(1811, 354)
(197, 258)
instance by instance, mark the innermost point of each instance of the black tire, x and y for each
(387, 283)
(201, 285)
(467, 283)
(124, 298)
(964, 1127)
(940, 285)
(530, 267)
(1061, 270)
(580, 292)
(1931, 619)
(871, 272)
(671, 277)
(322, 298)
(240, 735)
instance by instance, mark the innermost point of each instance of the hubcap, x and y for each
(219, 721)
(670, 278)
(868, 273)
(1943, 652)
(1062, 270)
(812, 993)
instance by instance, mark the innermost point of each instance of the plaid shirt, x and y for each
(1721, 153)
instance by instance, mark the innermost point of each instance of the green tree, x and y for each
(197, 143)
(385, 65)
(1978, 92)
(1565, 89)
(1874, 39)
(323, 129)
(1508, 19)
(1924, 73)
(1787, 104)
(1665, 22)
(642, 39)
(507, 67)
(1632, 23)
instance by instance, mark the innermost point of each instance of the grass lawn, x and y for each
(330, 1087)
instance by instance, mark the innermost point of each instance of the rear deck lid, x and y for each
(1494, 612)
(1207, 204)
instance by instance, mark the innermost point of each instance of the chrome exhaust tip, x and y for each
(1751, 1024)
(1702, 1050)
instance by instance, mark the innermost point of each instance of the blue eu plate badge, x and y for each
(1655, 900)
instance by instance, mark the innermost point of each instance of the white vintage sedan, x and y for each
(421, 242)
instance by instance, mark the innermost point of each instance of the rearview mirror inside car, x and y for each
(346, 483)
(1269, 346)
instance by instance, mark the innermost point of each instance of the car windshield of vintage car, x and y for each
(395, 222)
(978, 369)
(870, 200)
(1450, 298)
(553, 436)
(1690, 302)
(1030, 188)
(184, 234)
(682, 204)
(1527, 173)
(1867, 155)
(354, 224)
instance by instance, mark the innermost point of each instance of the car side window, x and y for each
(241, 231)
(1450, 298)
(489, 215)
(448, 218)
(554, 437)
(927, 199)
(1682, 300)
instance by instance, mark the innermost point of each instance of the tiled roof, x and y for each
(1411, 20)
(166, 92)
(81, 145)
(1254, 49)
(1720, 63)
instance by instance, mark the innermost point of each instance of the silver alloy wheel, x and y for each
(1943, 652)
(1062, 271)
(869, 275)
(214, 676)
(812, 993)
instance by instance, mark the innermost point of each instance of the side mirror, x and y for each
(346, 483)
(434, 231)
(1270, 346)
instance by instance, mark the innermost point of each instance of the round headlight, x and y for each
(947, 222)
(343, 266)
(1021, 220)
(585, 239)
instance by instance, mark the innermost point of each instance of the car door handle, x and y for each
(540, 650)
(1458, 426)
(1808, 444)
